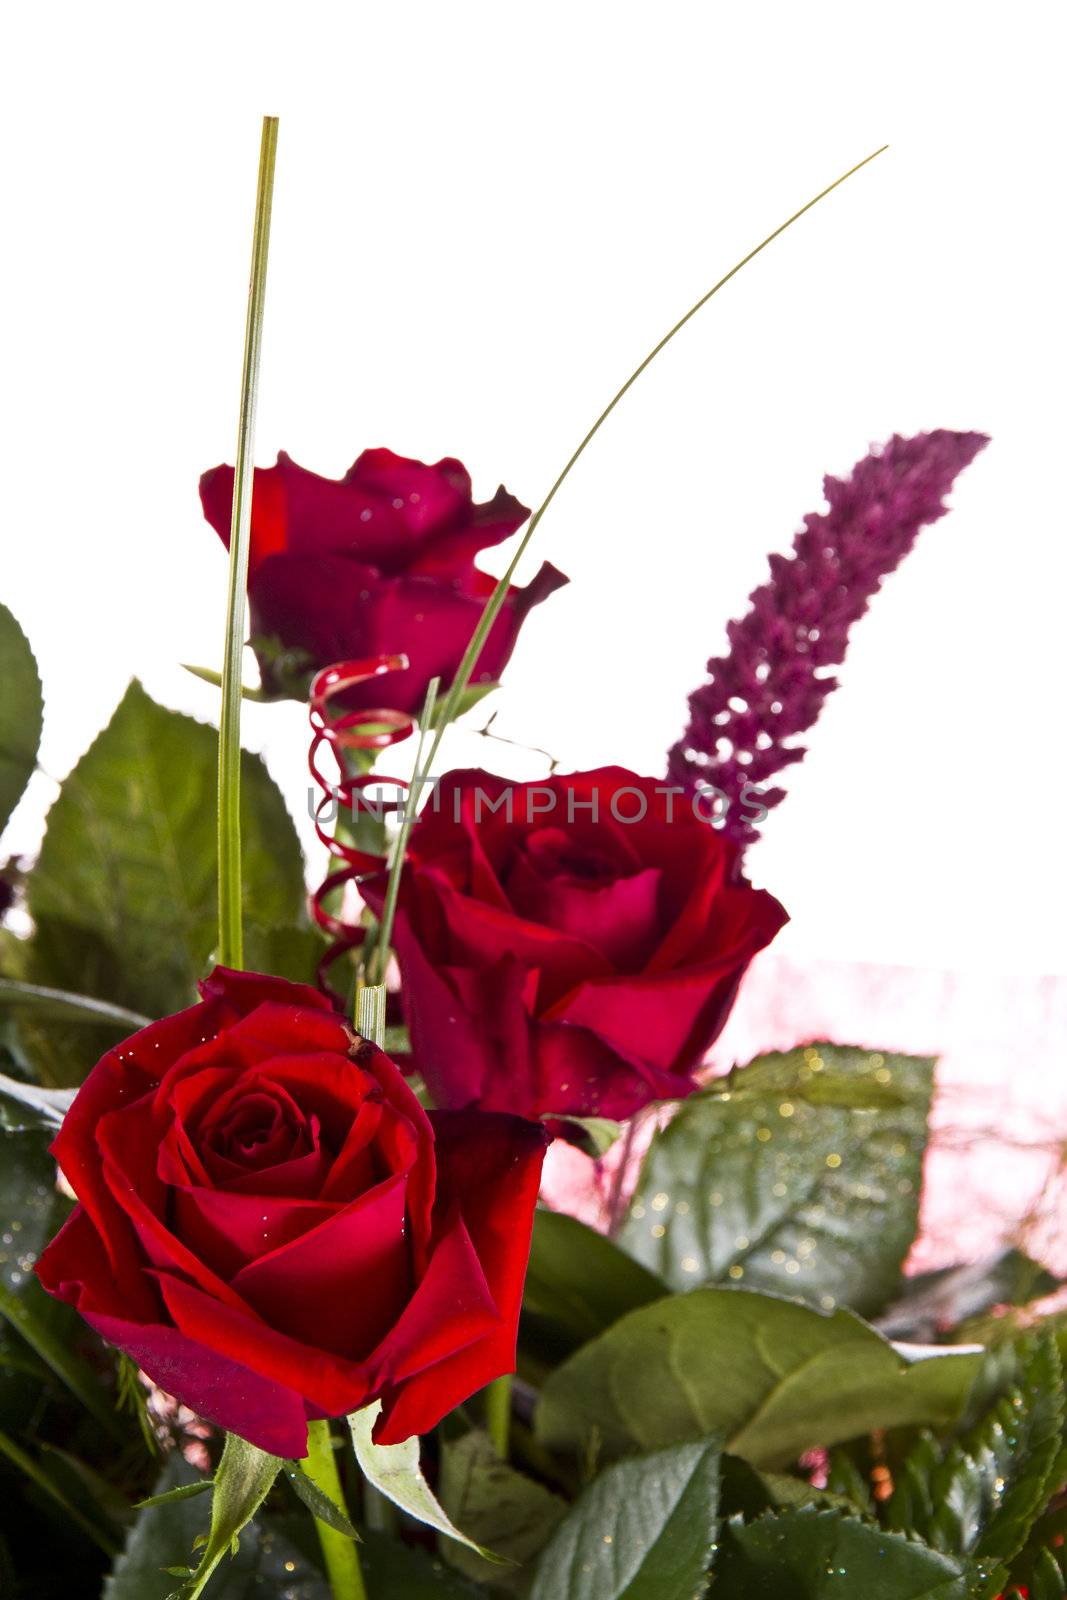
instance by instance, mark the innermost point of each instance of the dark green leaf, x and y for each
(317, 1503)
(496, 1505)
(32, 1314)
(394, 1470)
(31, 1211)
(267, 1564)
(985, 1494)
(59, 1003)
(800, 1173)
(25, 1108)
(292, 952)
(129, 853)
(929, 1302)
(578, 1283)
(183, 1491)
(72, 959)
(593, 1135)
(773, 1377)
(644, 1530)
(21, 713)
(395, 1571)
(1047, 1582)
(808, 1554)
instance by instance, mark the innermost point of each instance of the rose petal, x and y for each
(226, 1231)
(340, 1286)
(489, 1166)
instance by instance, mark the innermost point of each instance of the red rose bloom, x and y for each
(571, 947)
(377, 563)
(272, 1227)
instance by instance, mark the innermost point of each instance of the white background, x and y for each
(485, 215)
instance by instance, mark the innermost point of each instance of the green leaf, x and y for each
(593, 1135)
(578, 1283)
(1047, 1581)
(183, 1491)
(31, 1313)
(395, 1571)
(209, 675)
(472, 694)
(644, 1530)
(951, 1296)
(241, 1484)
(799, 1173)
(318, 1503)
(394, 1471)
(773, 1377)
(129, 852)
(71, 959)
(66, 1007)
(25, 1108)
(985, 1494)
(500, 1507)
(31, 1211)
(161, 1541)
(292, 951)
(808, 1554)
(21, 714)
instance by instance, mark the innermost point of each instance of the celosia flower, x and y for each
(770, 687)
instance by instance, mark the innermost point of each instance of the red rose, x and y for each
(377, 563)
(272, 1227)
(576, 956)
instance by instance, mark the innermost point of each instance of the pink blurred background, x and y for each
(996, 1168)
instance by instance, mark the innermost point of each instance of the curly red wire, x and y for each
(351, 730)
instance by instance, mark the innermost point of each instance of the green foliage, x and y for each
(578, 1284)
(317, 1503)
(773, 1377)
(21, 714)
(593, 1135)
(160, 1543)
(242, 1481)
(501, 1508)
(395, 1471)
(395, 1571)
(812, 1554)
(25, 1108)
(953, 1297)
(1047, 1581)
(128, 861)
(644, 1530)
(799, 1173)
(984, 1494)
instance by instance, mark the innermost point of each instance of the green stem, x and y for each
(379, 959)
(230, 946)
(338, 1552)
(498, 1414)
(496, 600)
(379, 1513)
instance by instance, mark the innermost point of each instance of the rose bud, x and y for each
(380, 562)
(569, 947)
(274, 1230)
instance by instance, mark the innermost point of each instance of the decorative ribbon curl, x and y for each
(349, 731)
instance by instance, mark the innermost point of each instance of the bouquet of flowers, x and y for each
(281, 1310)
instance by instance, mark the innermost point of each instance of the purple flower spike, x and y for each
(744, 721)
